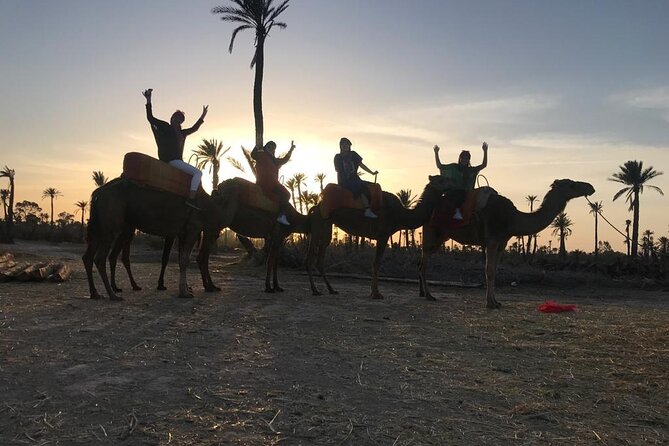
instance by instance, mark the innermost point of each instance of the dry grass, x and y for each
(248, 368)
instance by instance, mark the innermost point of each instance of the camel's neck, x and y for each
(419, 214)
(523, 223)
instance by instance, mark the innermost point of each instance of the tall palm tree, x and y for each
(664, 244)
(596, 209)
(81, 207)
(299, 179)
(99, 178)
(407, 200)
(209, 152)
(7, 235)
(4, 196)
(531, 199)
(52, 193)
(320, 177)
(562, 228)
(633, 175)
(627, 235)
(258, 15)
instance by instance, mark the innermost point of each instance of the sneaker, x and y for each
(283, 220)
(457, 215)
(370, 214)
(191, 203)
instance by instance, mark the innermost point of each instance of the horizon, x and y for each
(557, 91)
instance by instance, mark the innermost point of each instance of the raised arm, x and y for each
(149, 110)
(485, 156)
(198, 123)
(284, 159)
(436, 157)
(368, 170)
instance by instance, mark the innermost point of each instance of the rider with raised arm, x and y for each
(267, 177)
(346, 164)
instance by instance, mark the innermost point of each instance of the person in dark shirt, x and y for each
(346, 164)
(267, 177)
(170, 139)
(462, 174)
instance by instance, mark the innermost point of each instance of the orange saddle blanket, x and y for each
(442, 216)
(155, 174)
(337, 197)
(250, 194)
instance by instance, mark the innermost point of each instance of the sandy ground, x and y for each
(248, 368)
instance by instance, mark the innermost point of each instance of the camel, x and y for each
(121, 206)
(392, 216)
(493, 226)
(255, 222)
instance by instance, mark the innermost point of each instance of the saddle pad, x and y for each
(475, 200)
(250, 194)
(155, 174)
(337, 197)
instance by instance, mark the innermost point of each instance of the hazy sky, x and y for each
(567, 89)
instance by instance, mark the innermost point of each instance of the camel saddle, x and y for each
(155, 174)
(251, 195)
(335, 197)
(475, 201)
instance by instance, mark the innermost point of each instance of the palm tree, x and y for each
(627, 235)
(52, 193)
(531, 199)
(7, 236)
(209, 152)
(647, 243)
(99, 178)
(81, 206)
(299, 179)
(561, 227)
(4, 196)
(259, 15)
(664, 243)
(291, 185)
(596, 209)
(634, 176)
(320, 177)
(407, 200)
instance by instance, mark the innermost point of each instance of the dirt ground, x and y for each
(243, 367)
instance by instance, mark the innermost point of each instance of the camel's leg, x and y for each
(422, 280)
(381, 244)
(203, 261)
(186, 243)
(101, 263)
(167, 248)
(321, 267)
(269, 262)
(493, 251)
(117, 246)
(87, 258)
(312, 250)
(275, 248)
(125, 258)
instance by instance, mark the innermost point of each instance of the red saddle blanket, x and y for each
(442, 216)
(155, 174)
(337, 197)
(250, 194)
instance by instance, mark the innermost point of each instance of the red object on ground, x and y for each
(550, 306)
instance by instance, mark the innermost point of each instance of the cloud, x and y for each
(653, 99)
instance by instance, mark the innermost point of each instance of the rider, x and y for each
(346, 164)
(170, 138)
(267, 176)
(462, 174)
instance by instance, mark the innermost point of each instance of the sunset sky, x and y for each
(567, 89)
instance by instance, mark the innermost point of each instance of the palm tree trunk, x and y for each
(8, 237)
(596, 237)
(563, 249)
(215, 166)
(635, 224)
(257, 90)
(51, 211)
(299, 196)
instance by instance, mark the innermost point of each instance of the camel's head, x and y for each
(572, 189)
